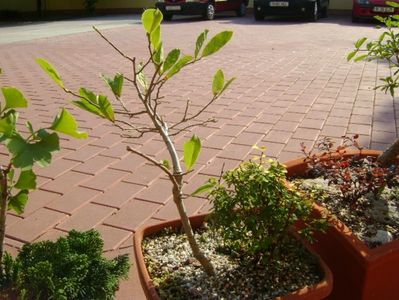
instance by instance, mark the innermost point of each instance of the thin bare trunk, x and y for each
(388, 157)
(3, 211)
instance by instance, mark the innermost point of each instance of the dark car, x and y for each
(313, 9)
(367, 9)
(206, 8)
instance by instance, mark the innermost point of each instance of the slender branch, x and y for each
(152, 160)
(191, 126)
(113, 46)
(130, 114)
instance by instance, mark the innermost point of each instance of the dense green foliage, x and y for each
(70, 268)
(255, 209)
(384, 48)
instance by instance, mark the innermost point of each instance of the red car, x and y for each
(366, 9)
(206, 8)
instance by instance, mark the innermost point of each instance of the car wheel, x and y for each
(355, 19)
(258, 16)
(210, 12)
(324, 12)
(242, 10)
(167, 16)
(315, 12)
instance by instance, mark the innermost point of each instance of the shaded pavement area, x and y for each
(293, 85)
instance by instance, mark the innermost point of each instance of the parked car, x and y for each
(313, 9)
(206, 8)
(367, 9)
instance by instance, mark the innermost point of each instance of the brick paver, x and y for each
(293, 85)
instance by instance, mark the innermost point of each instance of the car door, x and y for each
(223, 5)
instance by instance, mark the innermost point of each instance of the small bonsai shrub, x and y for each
(70, 268)
(255, 208)
(355, 176)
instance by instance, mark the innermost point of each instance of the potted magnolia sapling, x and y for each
(148, 79)
(359, 188)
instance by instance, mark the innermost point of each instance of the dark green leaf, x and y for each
(218, 82)
(115, 84)
(179, 65)
(65, 123)
(151, 19)
(206, 187)
(200, 42)
(25, 154)
(26, 180)
(217, 42)
(192, 149)
(18, 202)
(171, 59)
(14, 98)
(7, 124)
(30, 127)
(51, 71)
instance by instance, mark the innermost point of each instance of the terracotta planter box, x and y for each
(315, 292)
(359, 272)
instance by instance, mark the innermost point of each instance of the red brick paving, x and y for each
(293, 85)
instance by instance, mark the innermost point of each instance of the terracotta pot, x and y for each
(359, 272)
(315, 292)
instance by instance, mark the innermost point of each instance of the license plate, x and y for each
(279, 4)
(172, 7)
(384, 9)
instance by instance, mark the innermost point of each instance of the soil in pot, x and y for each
(373, 216)
(176, 275)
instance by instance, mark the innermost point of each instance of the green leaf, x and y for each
(51, 71)
(217, 42)
(30, 127)
(227, 84)
(351, 55)
(14, 98)
(115, 84)
(158, 55)
(360, 42)
(207, 186)
(18, 202)
(218, 82)
(142, 79)
(96, 104)
(192, 149)
(166, 163)
(151, 19)
(361, 57)
(155, 38)
(26, 180)
(179, 65)
(8, 123)
(25, 154)
(200, 42)
(393, 4)
(65, 123)
(1, 71)
(171, 59)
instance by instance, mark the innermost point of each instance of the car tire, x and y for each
(167, 16)
(242, 10)
(209, 13)
(315, 12)
(324, 12)
(258, 16)
(355, 19)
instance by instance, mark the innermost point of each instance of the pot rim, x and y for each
(322, 289)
